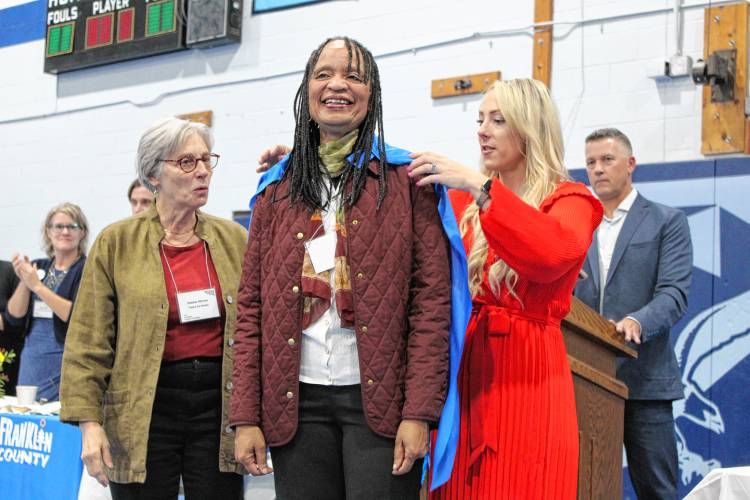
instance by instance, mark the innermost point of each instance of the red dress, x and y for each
(519, 433)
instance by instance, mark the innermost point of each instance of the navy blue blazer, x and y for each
(648, 279)
(68, 290)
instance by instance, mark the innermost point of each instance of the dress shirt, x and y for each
(329, 352)
(607, 235)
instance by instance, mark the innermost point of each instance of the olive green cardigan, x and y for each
(115, 341)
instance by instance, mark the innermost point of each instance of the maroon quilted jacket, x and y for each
(398, 257)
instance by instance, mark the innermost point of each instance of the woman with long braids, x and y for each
(341, 349)
(526, 230)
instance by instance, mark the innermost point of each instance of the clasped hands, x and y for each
(26, 272)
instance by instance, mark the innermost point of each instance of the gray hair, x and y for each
(610, 133)
(160, 141)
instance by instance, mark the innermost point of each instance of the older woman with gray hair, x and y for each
(147, 364)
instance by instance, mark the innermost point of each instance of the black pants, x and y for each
(183, 439)
(335, 456)
(651, 448)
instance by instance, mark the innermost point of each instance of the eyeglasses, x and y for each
(59, 228)
(188, 163)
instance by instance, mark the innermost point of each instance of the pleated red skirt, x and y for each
(519, 432)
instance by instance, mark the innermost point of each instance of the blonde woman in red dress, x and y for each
(526, 229)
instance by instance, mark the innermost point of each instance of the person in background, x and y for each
(140, 197)
(526, 229)
(44, 298)
(148, 362)
(341, 352)
(639, 272)
(11, 337)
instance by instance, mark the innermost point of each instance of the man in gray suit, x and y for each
(637, 274)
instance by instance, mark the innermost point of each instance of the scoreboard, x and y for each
(86, 33)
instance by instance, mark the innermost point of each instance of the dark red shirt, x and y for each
(199, 338)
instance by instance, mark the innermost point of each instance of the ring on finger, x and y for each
(434, 169)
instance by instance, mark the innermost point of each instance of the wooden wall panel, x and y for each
(456, 85)
(204, 117)
(542, 69)
(723, 124)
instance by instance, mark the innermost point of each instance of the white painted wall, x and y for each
(73, 137)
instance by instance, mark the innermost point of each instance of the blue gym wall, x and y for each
(712, 341)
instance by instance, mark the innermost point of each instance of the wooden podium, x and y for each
(593, 345)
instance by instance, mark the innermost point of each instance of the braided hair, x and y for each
(306, 179)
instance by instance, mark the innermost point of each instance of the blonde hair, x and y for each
(528, 110)
(74, 212)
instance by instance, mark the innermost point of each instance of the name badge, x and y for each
(42, 310)
(198, 305)
(322, 252)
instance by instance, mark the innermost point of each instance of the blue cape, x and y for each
(448, 428)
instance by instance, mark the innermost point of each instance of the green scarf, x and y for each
(316, 287)
(333, 155)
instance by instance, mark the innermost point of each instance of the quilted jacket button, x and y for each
(230, 342)
(370, 381)
(295, 289)
(355, 222)
(228, 430)
(364, 328)
(290, 342)
(300, 236)
(360, 275)
(289, 395)
(229, 385)
(229, 299)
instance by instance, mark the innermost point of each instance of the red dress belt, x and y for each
(491, 321)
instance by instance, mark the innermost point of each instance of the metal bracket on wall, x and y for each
(719, 71)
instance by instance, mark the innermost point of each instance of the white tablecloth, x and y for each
(723, 484)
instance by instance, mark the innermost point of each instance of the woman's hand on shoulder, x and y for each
(271, 156)
(432, 168)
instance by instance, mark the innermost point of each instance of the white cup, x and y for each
(26, 394)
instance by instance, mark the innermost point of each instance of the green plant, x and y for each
(6, 357)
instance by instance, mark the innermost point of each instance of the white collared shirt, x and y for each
(329, 352)
(606, 240)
